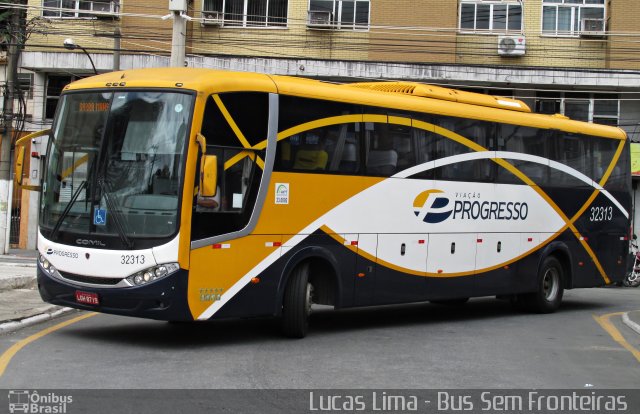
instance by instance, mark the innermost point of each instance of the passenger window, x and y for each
(402, 143)
(328, 149)
(481, 171)
(382, 158)
(602, 155)
(480, 132)
(251, 124)
(333, 148)
(575, 152)
(524, 140)
(620, 178)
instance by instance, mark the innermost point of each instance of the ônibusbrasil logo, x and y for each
(435, 206)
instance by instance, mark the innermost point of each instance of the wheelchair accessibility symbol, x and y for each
(100, 217)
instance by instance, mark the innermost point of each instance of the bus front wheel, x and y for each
(549, 294)
(296, 304)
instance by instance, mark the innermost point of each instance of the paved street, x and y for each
(483, 344)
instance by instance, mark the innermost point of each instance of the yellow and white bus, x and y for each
(193, 194)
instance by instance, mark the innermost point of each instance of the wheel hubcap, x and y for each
(550, 284)
(308, 298)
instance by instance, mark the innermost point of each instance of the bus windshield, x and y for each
(116, 163)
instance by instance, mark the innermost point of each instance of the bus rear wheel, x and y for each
(296, 304)
(549, 295)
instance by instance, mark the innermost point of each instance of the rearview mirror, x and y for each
(208, 176)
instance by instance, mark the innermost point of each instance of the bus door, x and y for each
(495, 272)
(451, 262)
(402, 265)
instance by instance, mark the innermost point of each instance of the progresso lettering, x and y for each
(490, 210)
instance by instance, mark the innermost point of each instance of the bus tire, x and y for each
(550, 290)
(296, 304)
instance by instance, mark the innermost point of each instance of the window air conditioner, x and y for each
(319, 19)
(511, 45)
(592, 28)
(106, 8)
(212, 18)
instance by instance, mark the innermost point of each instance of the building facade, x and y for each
(575, 57)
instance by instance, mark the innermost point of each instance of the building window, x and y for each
(247, 13)
(490, 16)
(571, 17)
(78, 8)
(345, 14)
(599, 108)
(55, 84)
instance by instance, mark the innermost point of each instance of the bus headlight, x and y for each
(152, 274)
(44, 263)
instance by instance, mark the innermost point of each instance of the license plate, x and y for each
(87, 297)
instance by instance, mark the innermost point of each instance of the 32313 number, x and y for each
(131, 259)
(601, 214)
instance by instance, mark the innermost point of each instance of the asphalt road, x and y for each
(483, 344)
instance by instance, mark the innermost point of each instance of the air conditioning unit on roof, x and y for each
(212, 18)
(592, 28)
(319, 19)
(511, 45)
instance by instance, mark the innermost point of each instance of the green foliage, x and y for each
(5, 24)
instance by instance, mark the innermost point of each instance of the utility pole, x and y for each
(13, 55)
(178, 41)
(116, 49)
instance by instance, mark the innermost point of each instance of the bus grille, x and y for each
(90, 279)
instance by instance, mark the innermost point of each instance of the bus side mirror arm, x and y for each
(20, 146)
(202, 142)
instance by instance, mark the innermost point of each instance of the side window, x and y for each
(319, 136)
(333, 148)
(431, 146)
(620, 179)
(573, 151)
(252, 124)
(481, 133)
(382, 158)
(402, 143)
(389, 147)
(229, 129)
(524, 140)
(602, 155)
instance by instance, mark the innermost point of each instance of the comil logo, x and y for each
(432, 206)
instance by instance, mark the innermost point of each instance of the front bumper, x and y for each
(165, 299)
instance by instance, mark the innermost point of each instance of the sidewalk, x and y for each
(20, 302)
(632, 320)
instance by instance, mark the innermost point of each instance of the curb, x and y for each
(13, 326)
(631, 324)
(17, 282)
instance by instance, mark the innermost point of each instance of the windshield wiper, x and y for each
(117, 215)
(66, 210)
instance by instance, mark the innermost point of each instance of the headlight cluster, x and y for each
(44, 263)
(153, 273)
